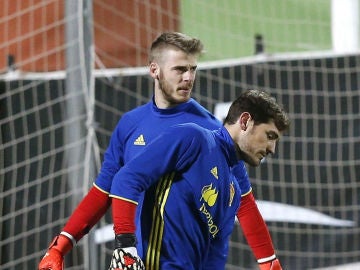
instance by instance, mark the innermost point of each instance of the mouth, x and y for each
(185, 88)
(262, 156)
(184, 91)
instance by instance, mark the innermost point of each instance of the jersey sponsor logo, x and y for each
(140, 140)
(213, 228)
(209, 194)
(232, 193)
(214, 172)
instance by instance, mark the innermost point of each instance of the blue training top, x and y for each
(191, 196)
(137, 128)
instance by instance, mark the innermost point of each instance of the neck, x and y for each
(233, 131)
(239, 153)
(162, 103)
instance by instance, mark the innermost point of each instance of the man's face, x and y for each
(257, 141)
(176, 77)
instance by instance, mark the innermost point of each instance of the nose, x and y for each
(271, 147)
(189, 75)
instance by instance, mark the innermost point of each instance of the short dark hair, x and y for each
(262, 107)
(178, 40)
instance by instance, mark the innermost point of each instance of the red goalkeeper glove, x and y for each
(125, 255)
(271, 265)
(54, 257)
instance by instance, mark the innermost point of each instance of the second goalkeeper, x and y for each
(187, 188)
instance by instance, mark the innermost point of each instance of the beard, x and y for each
(172, 95)
(248, 159)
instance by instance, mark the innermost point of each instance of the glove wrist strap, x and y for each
(125, 240)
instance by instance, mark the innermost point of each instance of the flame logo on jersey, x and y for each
(209, 194)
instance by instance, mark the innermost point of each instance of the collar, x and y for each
(181, 108)
(229, 144)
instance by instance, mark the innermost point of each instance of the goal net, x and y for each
(52, 139)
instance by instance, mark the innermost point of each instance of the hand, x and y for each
(54, 256)
(271, 265)
(126, 259)
(125, 255)
(53, 260)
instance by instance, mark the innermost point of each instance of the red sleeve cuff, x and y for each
(88, 213)
(254, 228)
(123, 216)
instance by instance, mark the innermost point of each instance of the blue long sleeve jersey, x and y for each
(191, 195)
(137, 128)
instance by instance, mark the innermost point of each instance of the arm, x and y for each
(257, 234)
(86, 215)
(128, 183)
(90, 210)
(252, 223)
(159, 158)
(125, 254)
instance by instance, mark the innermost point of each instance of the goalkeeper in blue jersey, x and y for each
(191, 193)
(172, 65)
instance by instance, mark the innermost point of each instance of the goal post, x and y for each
(345, 25)
(80, 132)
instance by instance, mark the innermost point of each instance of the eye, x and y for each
(272, 135)
(181, 70)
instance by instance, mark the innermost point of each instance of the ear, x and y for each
(244, 120)
(154, 70)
